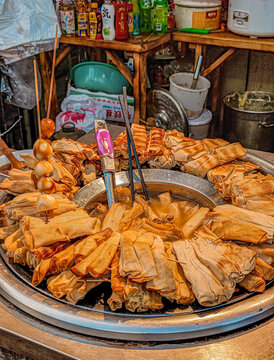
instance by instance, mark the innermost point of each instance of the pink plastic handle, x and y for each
(104, 143)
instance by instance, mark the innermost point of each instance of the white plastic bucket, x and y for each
(192, 100)
(199, 14)
(199, 127)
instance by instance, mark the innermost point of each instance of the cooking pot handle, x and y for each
(266, 123)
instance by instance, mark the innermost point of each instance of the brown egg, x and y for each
(47, 127)
(46, 202)
(46, 185)
(43, 168)
(42, 149)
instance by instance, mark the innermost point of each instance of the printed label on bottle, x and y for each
(146, 4)
(130, 22)
(241, 19)
(158, 26)
(83, 29)
(105, 13)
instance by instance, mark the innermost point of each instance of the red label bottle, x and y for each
(121, 20)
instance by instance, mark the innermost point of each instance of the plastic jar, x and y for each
(199, 127)
(198, 14)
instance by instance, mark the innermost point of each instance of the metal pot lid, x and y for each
(169, 114)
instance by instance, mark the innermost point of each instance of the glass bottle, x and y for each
(130, 18)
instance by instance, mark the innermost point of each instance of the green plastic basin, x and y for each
(98, 76)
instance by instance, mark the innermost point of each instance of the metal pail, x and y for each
(249, 119)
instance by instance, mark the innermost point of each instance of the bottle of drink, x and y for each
(82, 7)
(145, 19)
(121, 21)
(108, 13)
(93, 21)
(67, 20)
(130, 18)
(99, 20)
(160, 16)
(136, 17)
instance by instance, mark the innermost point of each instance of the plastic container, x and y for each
(199, 127)
(251, 17)
(160, 12)
(121, 20)
(108, 16)
(97, 76)
(198, 14)
(193, 100)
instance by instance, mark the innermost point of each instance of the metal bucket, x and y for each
(249, 119)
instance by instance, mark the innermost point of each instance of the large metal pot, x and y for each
(249, 118)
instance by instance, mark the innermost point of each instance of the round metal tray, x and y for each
(173, 324)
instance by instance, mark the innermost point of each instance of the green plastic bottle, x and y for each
(160, 16)
(136, 17)
(145, 21)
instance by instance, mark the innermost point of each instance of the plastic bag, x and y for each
(18, 84)
(80, 99)
(27, 28)
(83, 120)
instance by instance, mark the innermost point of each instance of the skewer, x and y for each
(7, 152)
(37, 99)
(130, 170)
(133, 147)
(52, 72)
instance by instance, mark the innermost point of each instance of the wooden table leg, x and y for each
(199, 50)
(63, 55)
(143, 86)
(136, 86)
(215, 90)
(120, 65)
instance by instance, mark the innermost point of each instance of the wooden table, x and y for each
(223, 39)
(139, 47)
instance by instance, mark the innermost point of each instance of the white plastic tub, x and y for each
(199, 127)
(199, 14)
(192, 100)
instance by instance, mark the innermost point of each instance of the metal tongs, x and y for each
(131, 144)
(106, 153)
